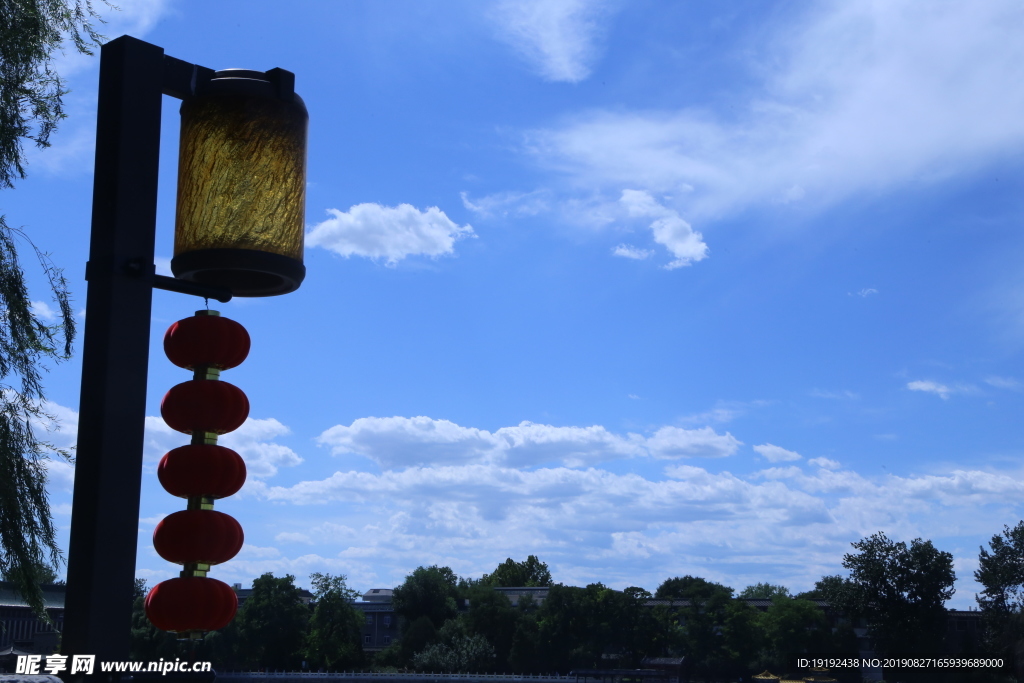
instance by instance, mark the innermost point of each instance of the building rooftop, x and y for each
(243, 594)
(378, 595)
(53, 596)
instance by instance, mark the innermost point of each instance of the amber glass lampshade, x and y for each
(242, 184)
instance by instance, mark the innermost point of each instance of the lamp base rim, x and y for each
(245, 272)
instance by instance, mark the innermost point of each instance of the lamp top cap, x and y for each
(241, 73)
(279, 81)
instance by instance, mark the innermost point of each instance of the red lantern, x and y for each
(204, 470)
(206, 340)
(191, 604)
(205, 536)
(202, 405)
(199, 537)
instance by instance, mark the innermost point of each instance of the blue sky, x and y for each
(643, 288)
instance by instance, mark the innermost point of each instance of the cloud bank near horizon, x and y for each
(468, 498)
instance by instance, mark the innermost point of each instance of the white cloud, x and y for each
(323, 533)
(406, 441)
(824, 462)
(72, 148)
(724, 411)
(676, 442)
(930, 387)
(774, 473)
(254, 561)
(668, 228)
(135, 17)
(253, 441)
(776, 453)
(482, 493)
(153, 520)
(714, 415)
(132, 17)
(396, 442)
(558, 37)
(43, 310)
(631, 252)
(845, 394)
(60, 475)
(505, 203)
(388, 232)
(855, 98)
(163, 266)
(626, 529)
(293, 537)
(159, 438)
(62, 430)
(1003, 383)
(58, 426)
(866, 292)
(529, 443)
(250, 552)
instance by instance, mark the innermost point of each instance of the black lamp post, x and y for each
(239, 231)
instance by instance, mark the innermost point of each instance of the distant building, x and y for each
(21, 631)
(963, 631)
(514, 594)
(305, 597)
(380, 625)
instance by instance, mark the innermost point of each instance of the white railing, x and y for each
(385, 675)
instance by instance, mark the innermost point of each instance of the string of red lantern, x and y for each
(201, 472)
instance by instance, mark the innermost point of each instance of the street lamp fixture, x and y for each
(242, 184)
(238, 232)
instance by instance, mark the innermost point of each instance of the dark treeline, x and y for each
(450, 624)
(274, 629)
